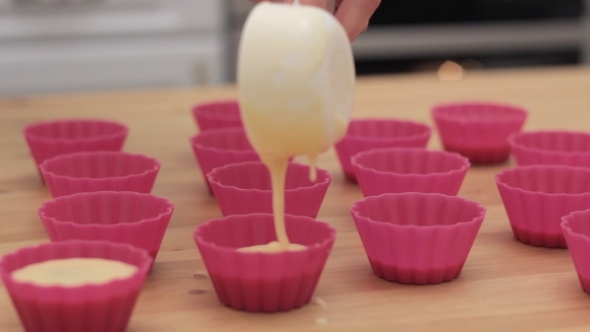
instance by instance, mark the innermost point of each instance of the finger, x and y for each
(286, 1)
(317, 3)
(355, 14)
(331, 6)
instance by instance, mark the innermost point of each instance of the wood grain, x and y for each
(505, 285)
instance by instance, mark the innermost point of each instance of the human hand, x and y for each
(354, 15)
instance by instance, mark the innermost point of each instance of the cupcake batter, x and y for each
(273, 247)
(74, 272)
(296, 86)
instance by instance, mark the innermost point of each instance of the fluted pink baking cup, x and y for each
(537, 197)
(576, 230)
(398, 170)
(220, 147)
(53, 138)
(244, 188)
(91, 308)
(263, 282)
(99, 171)
(478, 130)
(367, 134)
(551, 147)
(217, 114)
(123, 217)
(417, 238)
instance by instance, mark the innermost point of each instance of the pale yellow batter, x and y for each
(296, 87)
(73, 272)
(273, 247)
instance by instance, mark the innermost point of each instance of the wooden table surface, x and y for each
(505, 285)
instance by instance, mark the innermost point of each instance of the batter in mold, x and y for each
(74, 272)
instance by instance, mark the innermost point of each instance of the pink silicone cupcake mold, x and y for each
(220, 147)
(244, 188)
(99, 171)
(94, 308)
(263, 282)
(417, 238)
(50, 139)
(536, 197)
(125, 217)
(551, 147)
(217, 114)
(477, 130)
(367, 134)
(398, 170)
(576, 230)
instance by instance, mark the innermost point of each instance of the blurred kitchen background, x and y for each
(49, 46)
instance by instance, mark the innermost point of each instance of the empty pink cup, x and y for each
(53, 138)
(417, 238)
(99, 171)
(368, 134)
(263, 282)
(220, 147)
(576, 230)
(478, 130)
(551, 147)
(94, 308)
(244, 188)
(398, 170)
(217, 115)
(537, 197)
(124, 217)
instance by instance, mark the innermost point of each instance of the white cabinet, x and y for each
(74, 45)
